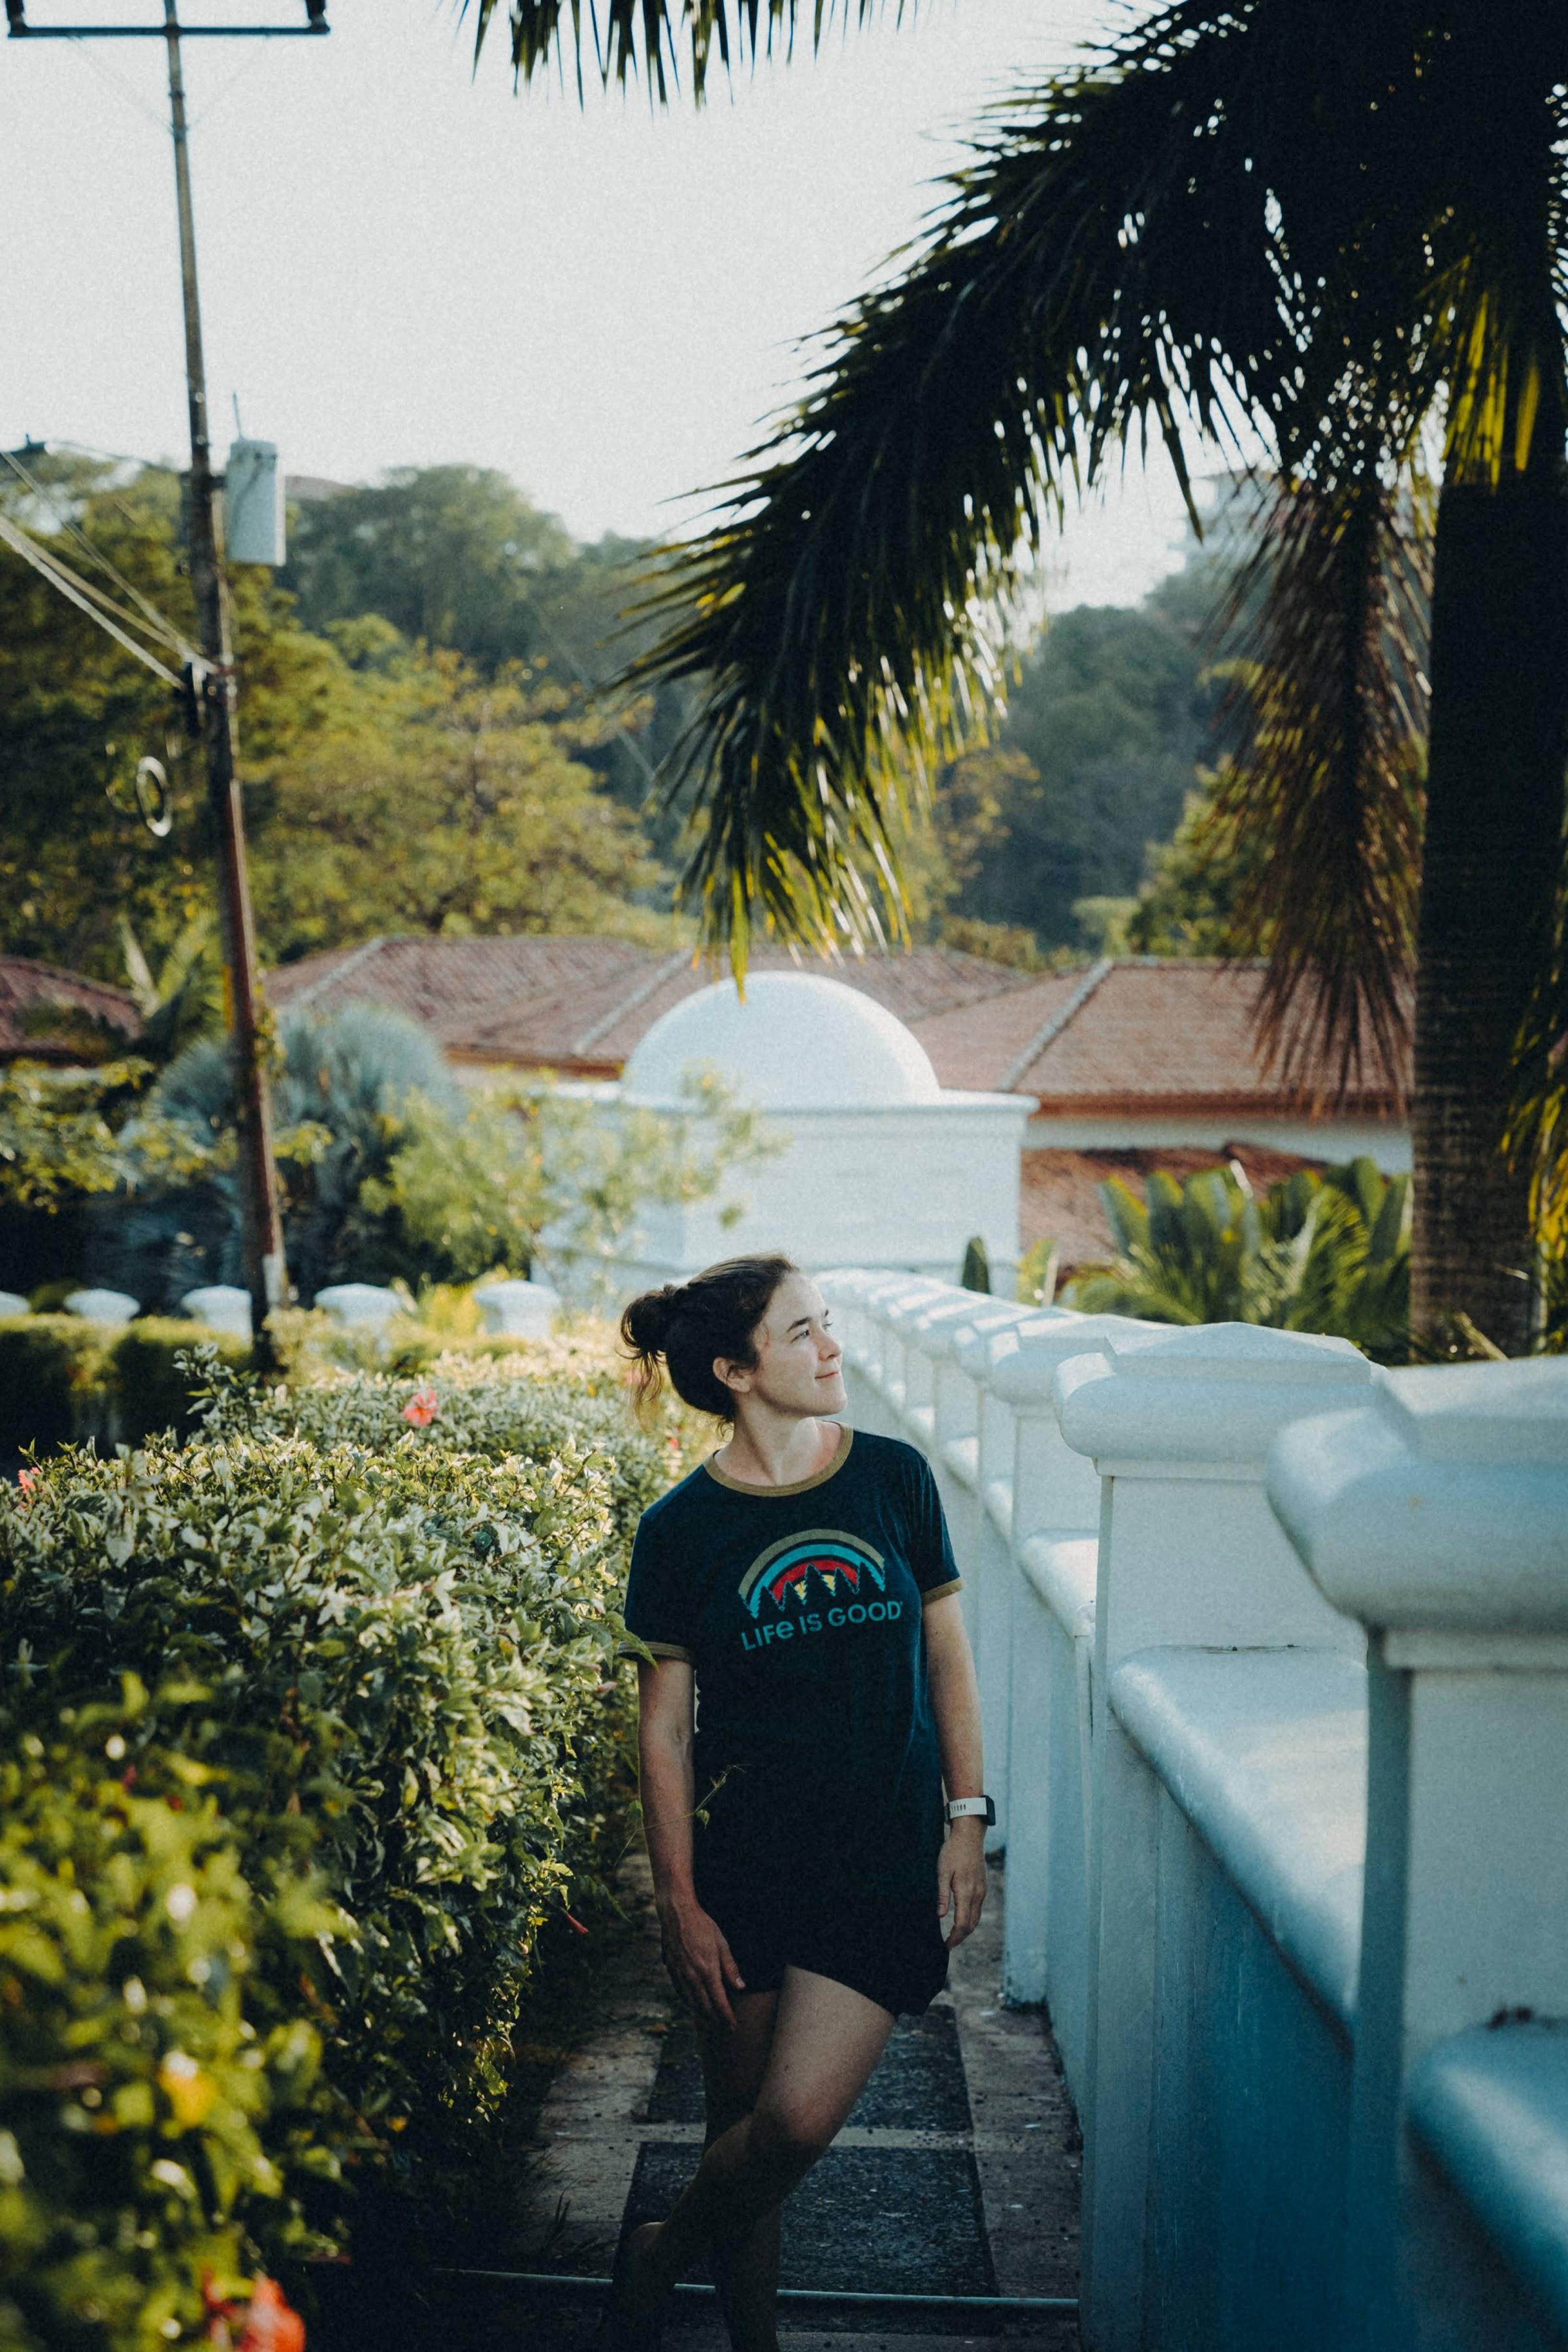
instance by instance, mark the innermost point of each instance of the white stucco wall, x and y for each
(1334, 1139)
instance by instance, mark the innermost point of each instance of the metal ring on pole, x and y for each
(153, 797)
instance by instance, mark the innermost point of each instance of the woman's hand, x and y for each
(961, 1877)
(700, 1962)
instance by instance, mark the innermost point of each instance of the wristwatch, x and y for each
(958, 1808)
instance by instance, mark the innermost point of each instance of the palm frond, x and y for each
(1328, 776)
(1100, 273)
(631, 40)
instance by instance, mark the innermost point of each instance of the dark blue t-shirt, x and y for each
(799, 1607)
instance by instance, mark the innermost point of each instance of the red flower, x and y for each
(268, 2323)
(422, 1408)
(271, 2324)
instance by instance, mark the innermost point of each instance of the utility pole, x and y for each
(213, 686)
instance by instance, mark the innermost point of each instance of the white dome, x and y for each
(795, 1041)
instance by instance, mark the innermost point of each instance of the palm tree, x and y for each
(1334, 227)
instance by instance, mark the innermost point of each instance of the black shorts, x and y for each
(894, 1953)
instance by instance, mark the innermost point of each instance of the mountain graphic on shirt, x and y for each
(842, 1567)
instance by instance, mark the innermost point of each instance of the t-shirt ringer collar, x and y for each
(797, 1487)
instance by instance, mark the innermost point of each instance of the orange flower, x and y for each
(271, 2324)
(422, 1408)
(26, 1480)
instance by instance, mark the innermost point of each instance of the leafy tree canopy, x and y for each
(388, 787)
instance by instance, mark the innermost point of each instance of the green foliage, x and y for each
(153, 2101)
(62, 1379)
(392, 1657)
(1036, 1274)
(448, 801)
(1102, 729)
(52, 1375)
(59, 1132)
(389, 785)
(975, 1274)
(451, 555)
(1329, 1252)
(476, 1187)
(1190, 904)
(153, 1386)
(337, 1096)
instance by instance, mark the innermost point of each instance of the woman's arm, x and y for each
(694, 1951)
(955, 1701)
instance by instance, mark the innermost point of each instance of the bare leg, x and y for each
(826, 2040)
(745, 2264)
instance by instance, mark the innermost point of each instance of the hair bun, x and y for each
(645, 1325)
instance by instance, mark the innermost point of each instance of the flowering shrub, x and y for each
(153, 2104)
(372, 1654)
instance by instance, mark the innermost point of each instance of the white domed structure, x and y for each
(795, 1041)
(874, 1164)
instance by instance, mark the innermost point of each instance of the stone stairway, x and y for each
(956, 2175)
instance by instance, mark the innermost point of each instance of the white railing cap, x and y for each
(1024, 1374)
(913, 1306)
(845, 1282)
(1442, 1504)
(951, 1341)
(890, 1291)
(949, 1309)
(979, 1350)
(1215, 1392)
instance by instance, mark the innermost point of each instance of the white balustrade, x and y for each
(1178, 1736)
(1190, 1560)
(1438, 1517)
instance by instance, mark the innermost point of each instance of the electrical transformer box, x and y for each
(253, 504)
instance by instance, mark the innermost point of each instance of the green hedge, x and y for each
(144, 2111)
(62, 1379)
(382, 1654)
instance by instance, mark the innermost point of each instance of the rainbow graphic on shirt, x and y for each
(842, 1567)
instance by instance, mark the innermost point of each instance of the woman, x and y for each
(800, 1584)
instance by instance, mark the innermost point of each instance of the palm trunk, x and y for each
(1492, 864)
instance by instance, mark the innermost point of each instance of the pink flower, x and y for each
(422, 1408)
(26, 1480)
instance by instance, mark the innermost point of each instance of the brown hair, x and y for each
(688, 1324)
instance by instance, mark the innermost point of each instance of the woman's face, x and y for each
(799, 1367)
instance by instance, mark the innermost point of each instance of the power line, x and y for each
(77, 592)
(151, 618)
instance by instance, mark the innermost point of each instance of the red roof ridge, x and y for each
(77, 979)
(1051, 1028)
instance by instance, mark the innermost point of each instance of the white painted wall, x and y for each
(1384, 1142)
(1191, 1556)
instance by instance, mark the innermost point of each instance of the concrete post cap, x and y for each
(103, 1306)
(1210, 1392)
(907, 1306)
(1441, 1504)
(980, 1349)
(845, 1283)
(879, 1297)
(520, 1310)
(221, 1305)
(985, 1316)
(1025, 1362)
(365, 1303)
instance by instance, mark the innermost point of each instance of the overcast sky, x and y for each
(403, 263)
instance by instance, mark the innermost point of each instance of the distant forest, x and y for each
(424, 747)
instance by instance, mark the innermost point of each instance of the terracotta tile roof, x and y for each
(1060, 1191)
(1151, 1035)
(27, 990)
(1132, 1036)
(583, 1004)
(980, 1043)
